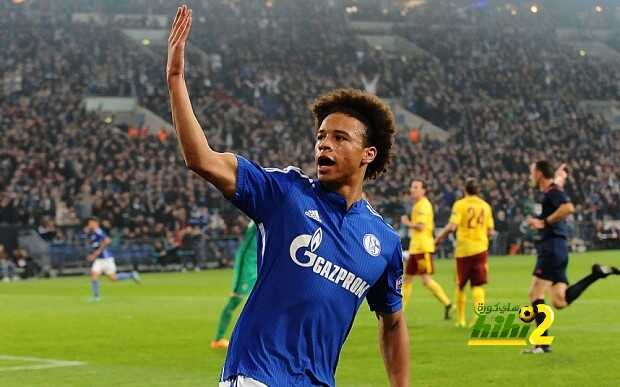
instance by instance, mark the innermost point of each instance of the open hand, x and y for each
(176, 42)
(536, 224)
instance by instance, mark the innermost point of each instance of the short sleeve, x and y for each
(101, 235)
(557, 197)
(385, 295)
(455, 217)
(490, 222)
(258, 190)
(423, 214)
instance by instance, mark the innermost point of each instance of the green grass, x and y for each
(158, 334)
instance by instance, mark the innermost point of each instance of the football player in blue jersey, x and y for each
(102, 259)
(321, 248)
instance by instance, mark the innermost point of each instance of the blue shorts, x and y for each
(552, 260)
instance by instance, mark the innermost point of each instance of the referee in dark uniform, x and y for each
(551, 212)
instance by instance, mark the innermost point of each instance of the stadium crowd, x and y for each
(506, 96)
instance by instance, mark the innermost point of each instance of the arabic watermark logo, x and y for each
(508, 324)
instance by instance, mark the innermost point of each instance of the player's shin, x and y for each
(575, 290)
(477, 293)
(406, 293)
(437, 291)
(94, 285)
(123, 276)
(461, 299)
(540, 317)
(226, 316)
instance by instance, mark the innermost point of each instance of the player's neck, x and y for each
(351, 193)
(544, 184)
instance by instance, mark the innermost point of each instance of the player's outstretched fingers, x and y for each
(178, 25)
(187, 27)
(174, 22)
(183, 28)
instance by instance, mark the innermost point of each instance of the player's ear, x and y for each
(369, 155)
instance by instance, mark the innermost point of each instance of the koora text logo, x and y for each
(506, 324)
(303, 251)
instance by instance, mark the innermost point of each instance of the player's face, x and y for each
(534, 176)
(416, 190)
(91, 226)
(340, 151)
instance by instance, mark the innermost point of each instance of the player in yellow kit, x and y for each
(472, 219)
(422, 246)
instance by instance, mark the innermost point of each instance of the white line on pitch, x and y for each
(47, 363)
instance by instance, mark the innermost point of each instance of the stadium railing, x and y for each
(203, 252)
(67, 255)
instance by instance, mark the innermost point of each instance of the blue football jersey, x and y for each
(550, 200)
(317, 261)
(96, 238)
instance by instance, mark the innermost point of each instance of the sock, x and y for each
(94, 285)
(540, 317)
(575, 290)
(123, 276)
(437, 291)
(477, 293)
(226, 315)
(406, 294)
(461, 299)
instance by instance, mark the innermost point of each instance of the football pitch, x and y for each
(158, 333)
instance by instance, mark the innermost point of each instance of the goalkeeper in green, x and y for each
(244, 277)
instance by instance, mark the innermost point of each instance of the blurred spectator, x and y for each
(7, 267)
(24, 261)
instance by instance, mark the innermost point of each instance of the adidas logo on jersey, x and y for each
(314, 214)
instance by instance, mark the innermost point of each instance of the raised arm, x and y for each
(220, 169)
(561, 174)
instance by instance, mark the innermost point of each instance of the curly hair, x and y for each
(369, 110)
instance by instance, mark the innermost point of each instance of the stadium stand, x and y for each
(496, 82)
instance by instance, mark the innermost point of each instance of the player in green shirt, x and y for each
(244, 277)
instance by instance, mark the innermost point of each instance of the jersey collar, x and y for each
(338, 200)
(551, 186)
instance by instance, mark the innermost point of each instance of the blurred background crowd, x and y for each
(493, 74)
